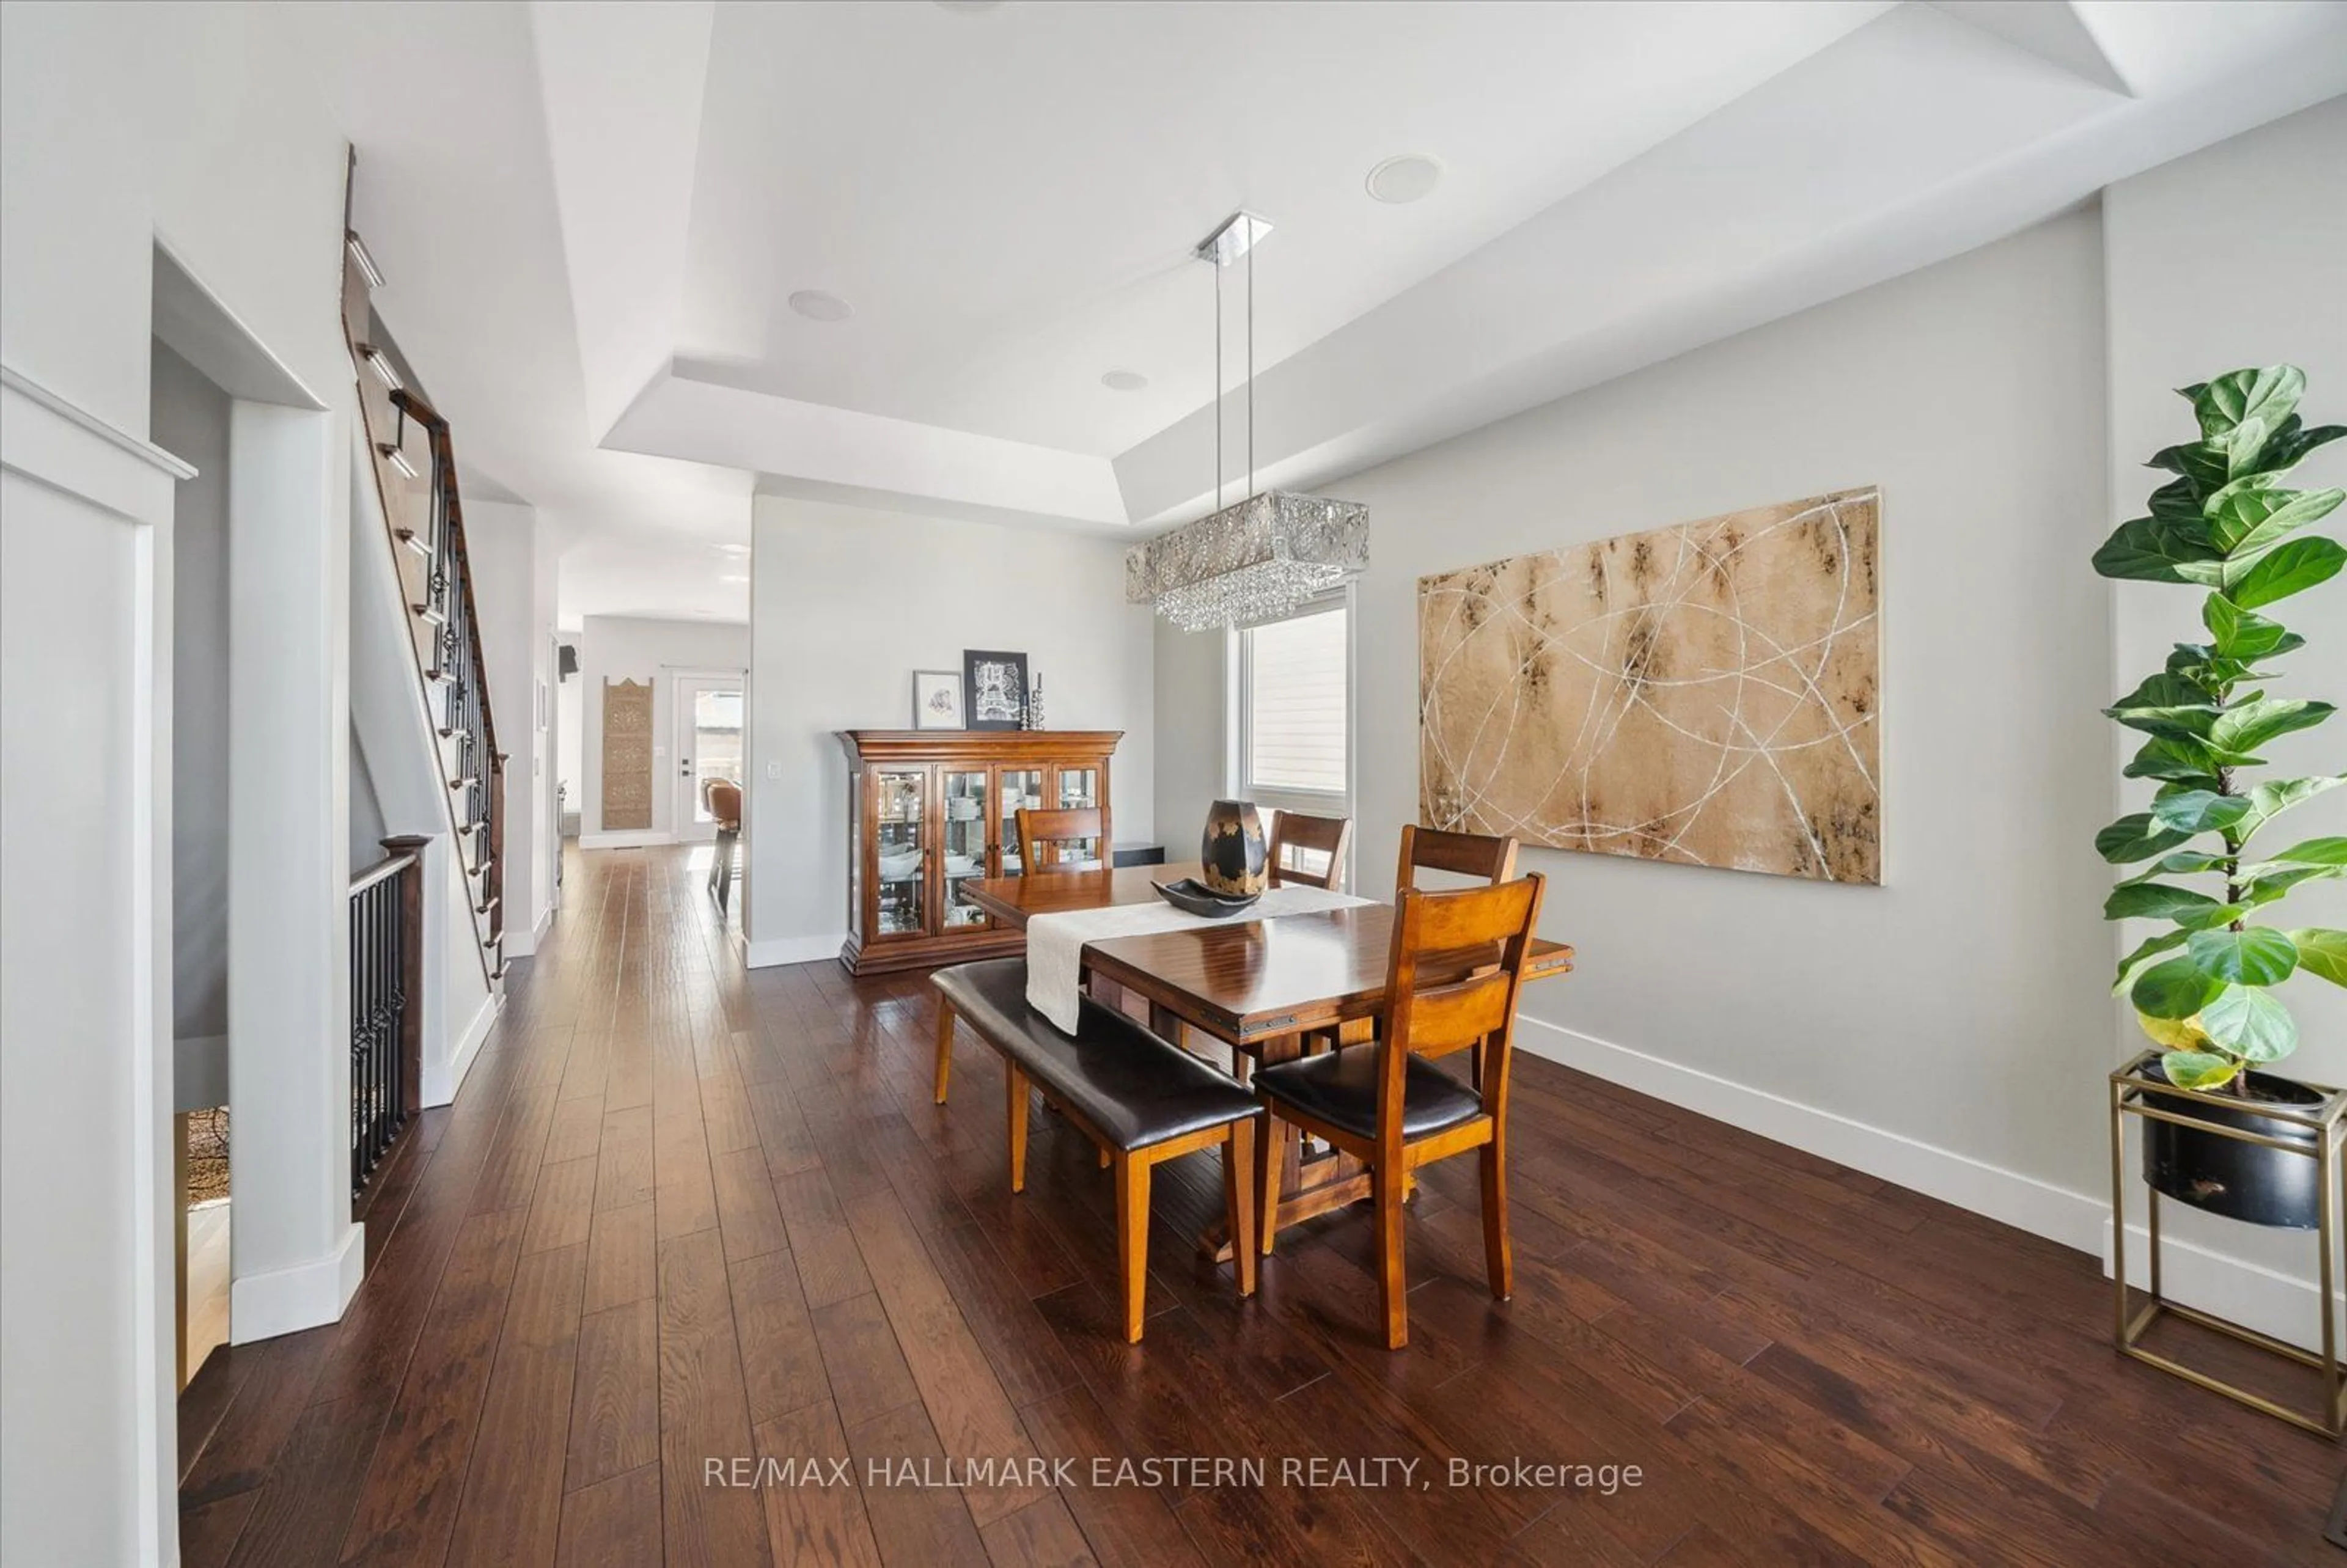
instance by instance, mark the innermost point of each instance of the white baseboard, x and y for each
(2249, 1294)
(441, 1091)
(306, 1295)
(545, 924)
(2244, 1292)
(767, 955)
(624, 840)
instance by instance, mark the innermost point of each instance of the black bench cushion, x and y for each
(1135, 1088)
(1340, 1088)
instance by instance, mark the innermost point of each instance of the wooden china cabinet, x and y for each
(928, 810)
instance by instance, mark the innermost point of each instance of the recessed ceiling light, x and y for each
(1405, 177)
(1124, 380)
(819, 306)
(732, 549)
(732, 577)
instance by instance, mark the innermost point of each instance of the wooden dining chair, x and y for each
(1044, 837)
(1488, 857)
(1388, 1105)
(1477, 855)
(723, 800)
(1292, 831)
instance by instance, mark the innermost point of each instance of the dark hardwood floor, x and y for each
(685, 1213)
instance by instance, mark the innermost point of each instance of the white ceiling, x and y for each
(593, 216)
(1010, 198)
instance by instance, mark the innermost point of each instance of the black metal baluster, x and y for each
(394, 970)
(387, 969)
(358, 1047)
(373, 1028)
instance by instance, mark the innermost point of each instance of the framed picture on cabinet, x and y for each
(995, 689)
(937, 699)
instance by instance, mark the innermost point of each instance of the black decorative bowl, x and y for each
(1188, 894)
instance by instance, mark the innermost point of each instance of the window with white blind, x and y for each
(1294, 704)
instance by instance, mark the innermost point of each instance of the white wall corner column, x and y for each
(88, 1425)
(295, 1253)
(545, 729)
(502, 542)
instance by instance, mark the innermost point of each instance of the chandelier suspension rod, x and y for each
(1250, 261)
(1218, 386)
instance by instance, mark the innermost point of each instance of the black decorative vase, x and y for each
(2238, 1180)
(1233, 850)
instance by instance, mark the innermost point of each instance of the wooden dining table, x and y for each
(1256, 986)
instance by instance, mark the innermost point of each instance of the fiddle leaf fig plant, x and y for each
(2203, 990)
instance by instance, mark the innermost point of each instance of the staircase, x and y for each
(415, 469)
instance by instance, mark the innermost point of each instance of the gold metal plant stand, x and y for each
(2134, 1096)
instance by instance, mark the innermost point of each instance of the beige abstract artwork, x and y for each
(627, 756)
(1705, 694)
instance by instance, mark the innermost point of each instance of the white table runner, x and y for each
(1055, 943)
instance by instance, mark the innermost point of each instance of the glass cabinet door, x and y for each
(1018, 787)
(900, 879)
(1078, 789)
(965, 825)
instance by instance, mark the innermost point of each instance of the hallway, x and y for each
(684, 1213)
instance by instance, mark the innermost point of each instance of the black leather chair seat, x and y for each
(1133, 1087)
(1341, 1090)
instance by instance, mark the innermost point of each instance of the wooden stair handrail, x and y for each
(391, 866)
(443, 477)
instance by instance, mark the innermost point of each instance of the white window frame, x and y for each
(1239, 660)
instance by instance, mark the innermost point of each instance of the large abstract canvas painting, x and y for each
(1707, 693)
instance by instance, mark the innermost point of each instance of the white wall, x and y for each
(191, 421)
(844, 606)
(1192, 671)
(512, 591)
(1960, 1006)
(369, 826)
(2181, 315)
(624, 648)
(121, 126)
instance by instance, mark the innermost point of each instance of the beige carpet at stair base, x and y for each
(627, 756)
(1704, 693)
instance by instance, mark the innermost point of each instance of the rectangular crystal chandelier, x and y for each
(1256, 561)
(1265, 557)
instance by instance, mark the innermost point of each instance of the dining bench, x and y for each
(1139, 1096)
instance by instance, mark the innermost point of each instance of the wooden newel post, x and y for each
(411, 972)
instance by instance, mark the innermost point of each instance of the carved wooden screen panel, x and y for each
(627, 756)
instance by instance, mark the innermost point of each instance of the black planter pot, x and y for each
(2227, 1176)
